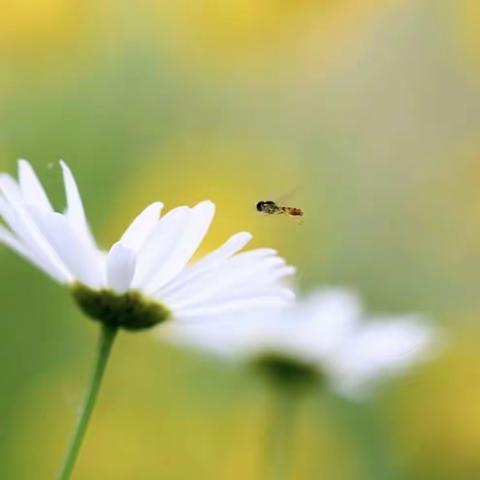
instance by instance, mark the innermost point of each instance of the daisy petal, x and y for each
(254, 255)
(75, 211)
(230, 296)
(32, 239)
(334, 315)
(8, 239)
(160, 243)
(229, 248)
(268, 281)
(139, 230)
(385, 346)
(120, 268)
(72, 249)
(12, 242)
(192, 235)
(31, 188)
(227, 278)
(9, 188)
(224, 308)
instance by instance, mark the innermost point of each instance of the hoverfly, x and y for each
(269, 207)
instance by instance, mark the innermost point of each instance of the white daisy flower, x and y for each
(146, 276)
(325, 336)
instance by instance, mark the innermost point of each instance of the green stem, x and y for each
(280, 444)
(363, 426)
(107, 336)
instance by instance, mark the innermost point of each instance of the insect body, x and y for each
(269, 207)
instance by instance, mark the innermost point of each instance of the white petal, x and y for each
(73, 250)
(75, 211)
(233, 306)
(13, 243)
(187, 243)
(139, 230)
(210, 261)
(259, 261)
(8, 239)
(269, 280)
(237, 334)
(256, 254)
(120, 268)
(267, 283)
(38, 247)
(31, 188)
(333, 315)
(381, 349)
(10, 188)
(227, 338)
(225, 279)
(233, 296)
(160, 243)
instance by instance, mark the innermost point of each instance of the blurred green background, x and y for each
(369, 110)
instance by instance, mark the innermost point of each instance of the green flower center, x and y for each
(286, 371)
(130, 310)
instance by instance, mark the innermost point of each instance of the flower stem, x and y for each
(279, 447)
(107, 336)
(361, 423)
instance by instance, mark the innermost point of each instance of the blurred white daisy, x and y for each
(146, 276)
(326, 336)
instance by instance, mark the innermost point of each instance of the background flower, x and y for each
(328, 331)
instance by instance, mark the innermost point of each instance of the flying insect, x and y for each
(269, 207)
